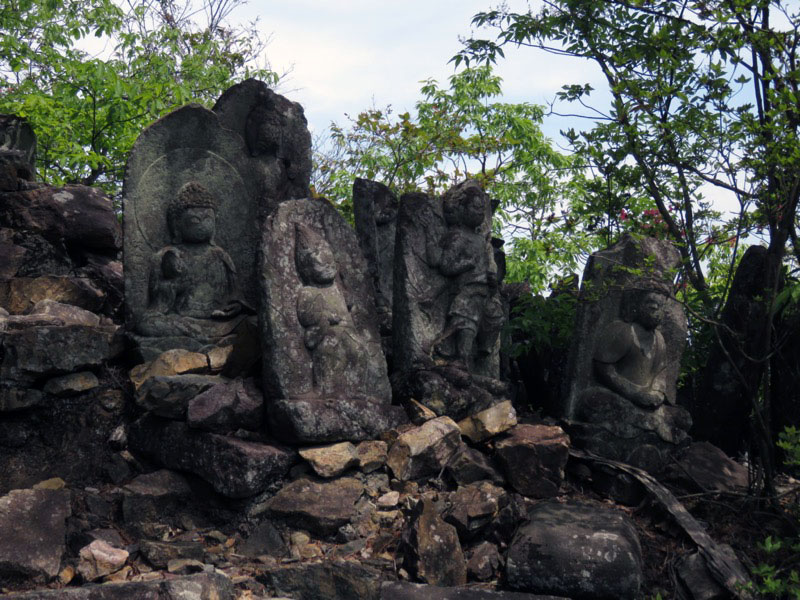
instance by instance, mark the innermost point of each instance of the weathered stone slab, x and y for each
(577, 551)
(329, 580)
(403, 590)
(169, 395)
(278, 141)
(234, 467)
(32, 530)
(472, 465)
(191, 228)
(706, 468)
(375, 216)
(171, 362)
(319, 507)
(18, 398)
(228, 406)
(432, 551)
(66, 313)
(320, 340)
(625, 356)
(74, 214)
(489, 422)
(21, 294)
(447, 311)
(332, 460)
(534, 457)
(46, 351)
(202, 586)
(473, 508)
(425, 450)
(74, 383)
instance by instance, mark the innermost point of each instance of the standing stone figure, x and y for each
(192, 286)
(623, 403)
(448, 311)
(329, 332)
(324, 372)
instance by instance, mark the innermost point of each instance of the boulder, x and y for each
(474, 507)
(533, 458)
(489, 422)
(576, 550)
(432, 552)
(46, 351)
(21, 294)
(329, 580)
(403, 590)
(99, 559)
(321, 508)
(202, 586)
(32, 530)
(235, 468)
(332, 460)
(425, 450)
(170, 395)
(704, 467)
(227, 407)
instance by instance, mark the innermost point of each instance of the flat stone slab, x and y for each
(32, 530)
(202, 586)
(576, 550)
(235, 468)
(334, 580)
(402, 590)
(319, 507)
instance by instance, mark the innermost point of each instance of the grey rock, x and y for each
(403, 590)
(483, 562)
(320, 340)
(330, 580)
(277, 136)
(472, 465)
(331, 460)
(46, 351)
(704, 467)
(16, 134)
(66, 313)
(155, 497)
(18, 398)
(32, 530)
(74, 383)
(425, 450)
(576, 550)
(473, 508)
(22, 293)
(696, 579)
(227, 407)
(264, 539)
(75, 214)
(533, 458)
(202, 586)
(375, 215)
(170, 395)
(184, 279)
(234, 467)
(321, 508)
(158, 554)
(432, 552)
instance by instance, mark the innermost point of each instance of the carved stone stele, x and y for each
(624, 361)
(447, 312)
(324, 370)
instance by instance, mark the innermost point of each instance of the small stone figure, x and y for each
(465, 261)
(329, 333)
(192, 287)
(631, 359)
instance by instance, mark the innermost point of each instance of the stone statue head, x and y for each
(473, 209)
(644, 305)
(192, 214)
(313, 257)
(263, 131)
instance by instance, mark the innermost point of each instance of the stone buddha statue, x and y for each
(339, 357)
(192, 286)
(628, 400)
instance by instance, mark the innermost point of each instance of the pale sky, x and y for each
(347, 55)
